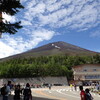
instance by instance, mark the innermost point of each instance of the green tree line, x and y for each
(44, 66)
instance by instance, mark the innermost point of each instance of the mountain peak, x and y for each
(59, 47)
(55, 48)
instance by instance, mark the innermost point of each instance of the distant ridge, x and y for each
(55, 48)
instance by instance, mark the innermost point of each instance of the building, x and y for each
(87, 73)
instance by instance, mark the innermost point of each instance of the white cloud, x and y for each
(95, 34)
(22, 1)
(43, 34)
(31, 4)
(64, 13)
(57, 5)
(5, 50)
(33, 12)
(25, 22)
(9, 18)
(10, 45)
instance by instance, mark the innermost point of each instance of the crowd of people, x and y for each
(27, 93)
(6, 91)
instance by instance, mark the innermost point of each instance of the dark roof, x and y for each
(86, 65)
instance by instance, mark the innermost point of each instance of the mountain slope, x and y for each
(55, 48)
(59, 48)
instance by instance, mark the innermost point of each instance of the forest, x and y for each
(42, 66)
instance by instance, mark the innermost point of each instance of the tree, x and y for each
(10, 7)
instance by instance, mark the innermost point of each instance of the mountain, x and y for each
(55, 48)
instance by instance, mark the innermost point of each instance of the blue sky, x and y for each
(44, 21)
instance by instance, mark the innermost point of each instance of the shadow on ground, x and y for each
(33, 98)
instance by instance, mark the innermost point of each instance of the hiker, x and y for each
(27, 92)
(17, 92)
(75, 87)
(97, 86)
(88, 94)
(9, 87)
(49, 86)
(71, 86)
(82, 93)
(5, 90)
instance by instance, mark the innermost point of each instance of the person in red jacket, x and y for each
(82, 93)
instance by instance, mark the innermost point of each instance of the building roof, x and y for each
(86, 65)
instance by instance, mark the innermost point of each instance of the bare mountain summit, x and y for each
(59, 48)
(55, 48)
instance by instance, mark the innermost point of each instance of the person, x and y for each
(27, 92)
(5, 90)
(17, 92)
(82, 93)
(71, 86)
(9, 87)
(49, 86)
(75, 87)
(88, 94)
(97, 86)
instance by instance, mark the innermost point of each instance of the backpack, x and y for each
(3, 91)
(27, 92)
(89, 96)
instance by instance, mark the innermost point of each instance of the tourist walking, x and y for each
(88, 94)
(27, 92)
(49, 86)
(75, 87)
(5, 90)
(82, 93)
(71, 86)
(17, 92)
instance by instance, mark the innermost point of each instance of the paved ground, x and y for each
(61, 93)
(56, 93)
(34, 98)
